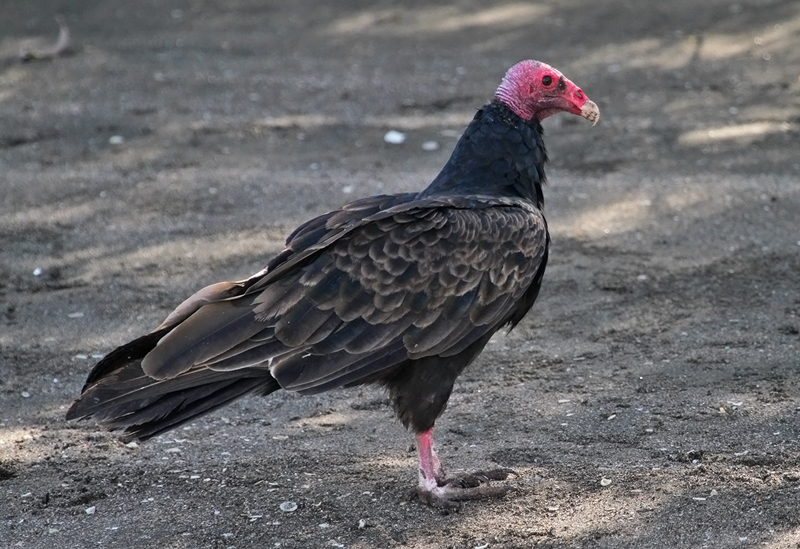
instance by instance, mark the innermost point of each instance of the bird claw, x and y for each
(471, 480)
(451, 492)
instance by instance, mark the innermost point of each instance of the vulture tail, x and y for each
(121, 396)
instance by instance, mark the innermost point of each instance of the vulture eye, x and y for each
(547, 80)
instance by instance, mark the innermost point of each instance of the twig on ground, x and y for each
(61, 46)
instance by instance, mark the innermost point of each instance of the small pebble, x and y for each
(362, 524)
(75, 315)
(25, 394)
(91, 510)
(288, 507)
(430, 146)
(394, 137)
(116, 140)
(605, 481)
(38, 270)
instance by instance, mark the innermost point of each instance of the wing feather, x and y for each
(364, 289)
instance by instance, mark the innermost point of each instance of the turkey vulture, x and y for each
(402, 290)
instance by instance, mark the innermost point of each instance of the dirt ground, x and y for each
(651, 398)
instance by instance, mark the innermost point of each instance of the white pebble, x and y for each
(394, 137)
(90, 510)
(605, 481)
(116, 140)
(81, 356)
(430, 146)
(38, 270)
(25, 394)
(288, 507)
(75, 315)
(362, 524)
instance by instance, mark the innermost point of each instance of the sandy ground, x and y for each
(651, 399)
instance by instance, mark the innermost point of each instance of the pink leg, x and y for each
(430, 468)
(434, 489)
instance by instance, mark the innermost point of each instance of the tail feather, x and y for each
(120, 396)
(175, 409)
(124, 355)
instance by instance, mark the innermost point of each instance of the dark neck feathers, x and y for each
(500, 154)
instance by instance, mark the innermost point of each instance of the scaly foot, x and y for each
(449, 493)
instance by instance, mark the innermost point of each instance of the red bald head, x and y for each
(535, 90)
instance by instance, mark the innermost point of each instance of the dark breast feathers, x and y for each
(365, 289)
